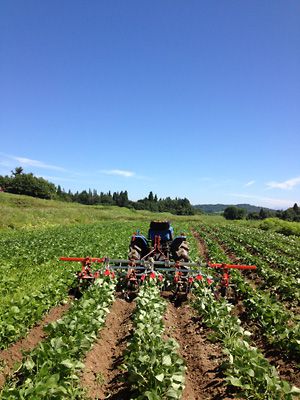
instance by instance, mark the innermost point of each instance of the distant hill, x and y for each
(219, 208)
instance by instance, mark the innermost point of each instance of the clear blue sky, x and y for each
(197, 99)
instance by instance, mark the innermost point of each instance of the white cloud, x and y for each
(9, 161)
(250, 183)
(119, 172)
(36, 163)
(266, 201)
(286, 185)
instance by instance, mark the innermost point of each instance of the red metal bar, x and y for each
(82, 259)
(231, 266)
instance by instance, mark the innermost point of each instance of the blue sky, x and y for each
(196, 99)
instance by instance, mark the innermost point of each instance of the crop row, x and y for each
(33, 278)
(288, 245)
(51, 370)
(287, 287)
(253, 241)
(22, 312)
(154, 368)
(246, 368)
(279, 326)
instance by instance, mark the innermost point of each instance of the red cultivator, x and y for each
(159, 257)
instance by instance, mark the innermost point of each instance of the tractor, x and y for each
(160, 244)
(159, 252)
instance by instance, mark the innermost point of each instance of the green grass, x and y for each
(25, 212)
(278, 225)
(18, 211)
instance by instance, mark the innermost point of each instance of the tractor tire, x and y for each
(180, 250)
(134, 254)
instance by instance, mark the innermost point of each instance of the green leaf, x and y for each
(160, 377)
(176, 386)
(173, 394)
(178, 378)
(15, 309)
(295, 390)
(151, 396)
(235, 381)
(68, 363)
(29, 364)
(167, 360)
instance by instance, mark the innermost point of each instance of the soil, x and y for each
(203, 252)
(102, 375)
(14, 354)
(203, 359)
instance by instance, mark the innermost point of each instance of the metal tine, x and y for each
(147, 262)
(123, 267)
(148, 270)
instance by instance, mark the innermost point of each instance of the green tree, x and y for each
(17, 171)
(150, 197)
(233, 212)
(30, 185)
(263, 214)
(59, 191)
(253, 215)
(83, 197)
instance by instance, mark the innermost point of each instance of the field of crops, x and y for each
(245, 345)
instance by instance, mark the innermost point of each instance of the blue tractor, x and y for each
(160, 245)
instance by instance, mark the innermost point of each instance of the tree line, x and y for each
(291, 214)
(152, 202)
(22, 183)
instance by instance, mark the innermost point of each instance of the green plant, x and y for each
(246, 368)
(100, 379)
(154, 367)
(51, 370)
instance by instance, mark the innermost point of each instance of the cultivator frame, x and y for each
(177, 276)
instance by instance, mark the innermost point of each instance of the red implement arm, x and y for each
(225, 270)
(231, 266)
(86, 272)
(83, 259)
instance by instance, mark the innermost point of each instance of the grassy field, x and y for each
(19, 211)
(25, 212)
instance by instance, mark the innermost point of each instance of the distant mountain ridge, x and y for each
(219, 208)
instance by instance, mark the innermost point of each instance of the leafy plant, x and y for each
(154, 367)
(51, 370)
(246, 368)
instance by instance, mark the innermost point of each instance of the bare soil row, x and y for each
(102, 376)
